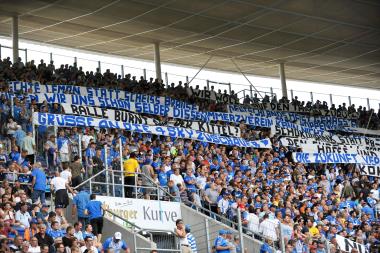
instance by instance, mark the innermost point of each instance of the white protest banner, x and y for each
(335, 158)
(47, 119)
(147, 214)
(155, 109)
(332, 148)
(37, 88)
(125, 116)
(364, 143)
(212, 95)
(291, 141)
(290, 125)
(357, 130)
(294, 132)
(237, 118)
(111, 114)
(322, 122)
(139, 107)
(347, 245)
(291, 108)
(369, 170)
(207, 127)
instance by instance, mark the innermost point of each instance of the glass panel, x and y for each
(87, 65)
(322, 97)
(22, 54)
(115, 69)
(197, 81)
(152, 74)
(359, 101)
(222, 87)
(37, 56)
(6, 52)
(302, 96)
(339, 100)
(137, 72)
(172, 78)
(278, 93)
(375, 104)
(62, 59)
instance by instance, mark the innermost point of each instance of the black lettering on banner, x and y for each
(74, 108)
(369, 170)
(296, 109)
(206, 94)
(349, 245)
(321, 149)
(201, 126)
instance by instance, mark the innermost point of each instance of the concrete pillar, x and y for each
(281, 69)
(157, 60)
(15, 38)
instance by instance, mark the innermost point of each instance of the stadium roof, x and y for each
(323, 41)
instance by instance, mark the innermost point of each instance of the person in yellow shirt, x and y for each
(130, 166)
(313, 230)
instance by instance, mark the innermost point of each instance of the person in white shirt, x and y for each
(22, 216)
(11, 126)
(223, 204)
(181, 234)
(267, 228)
(66, 173)
(89, 246)
(29, 145)
(86, 139)
(253, 220)
(78, 233)
(201, 181)
(34, 248)
(63, 147)
(177, 178)
(59, 186)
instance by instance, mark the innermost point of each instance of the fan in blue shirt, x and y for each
(116, 244)
(79, 204)
(221, 244)
(94, 208)
(163, 177)
(55, 231)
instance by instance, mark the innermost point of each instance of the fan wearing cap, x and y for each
(224, 204)
(116, 244)
(191, 239)
(221, 244)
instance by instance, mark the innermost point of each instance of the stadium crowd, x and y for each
(305, 204)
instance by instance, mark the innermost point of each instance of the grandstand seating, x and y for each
(246, 165)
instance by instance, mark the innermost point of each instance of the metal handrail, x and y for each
(212, 214)
(133, 227)
(139, 229)
(157, 185)
(89, 179)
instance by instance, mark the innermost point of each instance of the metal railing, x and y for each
(135, 230)
(168, 197)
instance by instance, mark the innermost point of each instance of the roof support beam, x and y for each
(15, 38)
(157, 61)
(281, 69)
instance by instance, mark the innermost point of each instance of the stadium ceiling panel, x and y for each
(322, 41)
